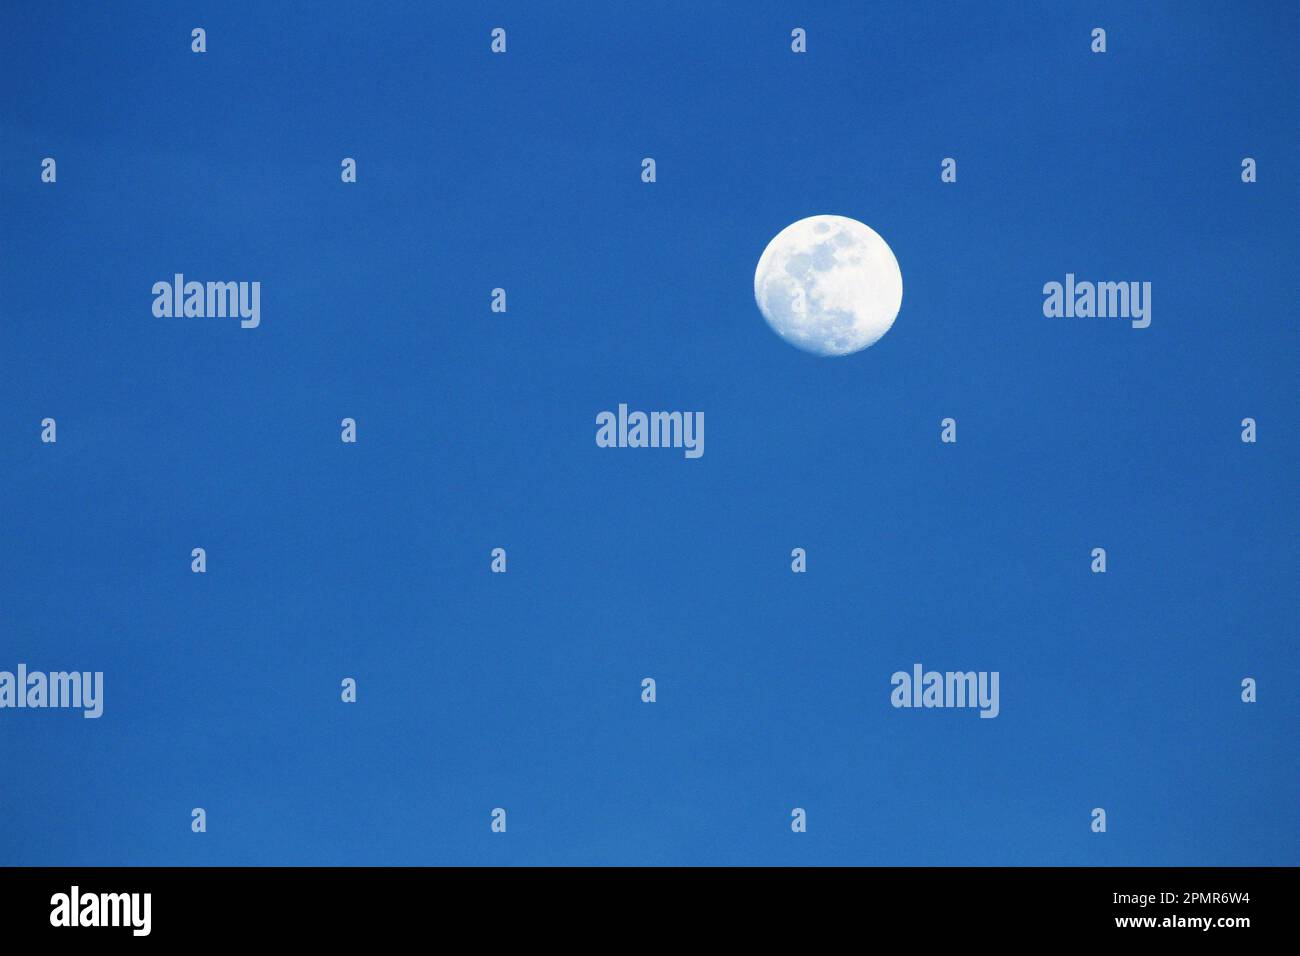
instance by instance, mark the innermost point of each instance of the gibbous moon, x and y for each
(829, 285)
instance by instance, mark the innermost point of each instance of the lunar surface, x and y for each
(829, 285)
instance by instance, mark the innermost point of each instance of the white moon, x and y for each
(829, 285)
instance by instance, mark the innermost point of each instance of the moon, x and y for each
(828, 285)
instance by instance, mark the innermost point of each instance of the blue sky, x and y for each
(477, 431)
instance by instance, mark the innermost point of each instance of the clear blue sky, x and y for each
(477, 430)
